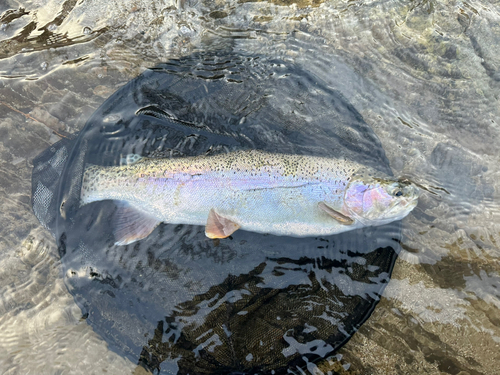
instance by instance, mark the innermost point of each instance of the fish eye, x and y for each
(398, 193)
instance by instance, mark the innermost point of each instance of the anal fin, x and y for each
(340, 217)
(218, 226)
(131, 225)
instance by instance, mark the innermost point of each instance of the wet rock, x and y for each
(46, 118)
(19, 142)
(103, 91)
(459, 172)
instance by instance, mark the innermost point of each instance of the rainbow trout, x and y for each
(292, 195)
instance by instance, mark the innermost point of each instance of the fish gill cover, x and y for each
(176, 302)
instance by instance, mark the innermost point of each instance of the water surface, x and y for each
(423, 75)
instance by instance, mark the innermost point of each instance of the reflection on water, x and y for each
(424, 77)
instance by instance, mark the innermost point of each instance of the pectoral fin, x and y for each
(341, 218)
(131, 225)
(218, 226)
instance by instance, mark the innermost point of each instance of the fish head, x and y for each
(377, 201)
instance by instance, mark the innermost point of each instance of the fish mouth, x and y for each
(410, 204)
(404, 205)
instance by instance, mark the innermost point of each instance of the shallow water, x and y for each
(423, 75)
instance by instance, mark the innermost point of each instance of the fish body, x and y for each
(256, 191)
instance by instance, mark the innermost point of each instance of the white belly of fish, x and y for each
(280, 210)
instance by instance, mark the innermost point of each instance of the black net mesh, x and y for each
(177, 302)
(47, 171)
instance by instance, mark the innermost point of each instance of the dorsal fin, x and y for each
(130, 159)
